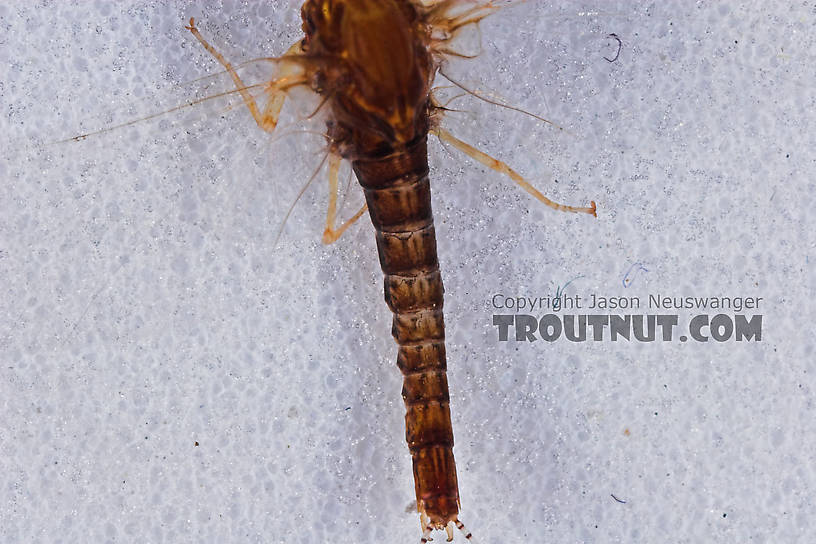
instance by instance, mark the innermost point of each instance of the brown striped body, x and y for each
(375, 61)
(398, 195)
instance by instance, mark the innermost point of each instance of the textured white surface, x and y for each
(144, 306)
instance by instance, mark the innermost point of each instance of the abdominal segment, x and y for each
(399, 201)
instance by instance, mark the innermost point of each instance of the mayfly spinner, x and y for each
(373, 63)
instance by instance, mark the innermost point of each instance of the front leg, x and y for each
(290, 76)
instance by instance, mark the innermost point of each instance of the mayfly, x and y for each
(373, 63)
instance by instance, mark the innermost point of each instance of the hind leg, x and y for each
(461, 527)
(503, 168)
(332, 234)
(425, 522)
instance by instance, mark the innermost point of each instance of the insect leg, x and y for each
(503, 168)
(268, 119)
(461, 527)
(449, 532)
(331, 235)
(425, 522)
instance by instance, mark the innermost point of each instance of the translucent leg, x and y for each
(276, 89)
(425, 522)
(503, 168)
(461, 527)
(331, 235)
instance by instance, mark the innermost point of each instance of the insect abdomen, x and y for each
(399, 201)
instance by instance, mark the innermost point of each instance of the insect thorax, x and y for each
(373, 66)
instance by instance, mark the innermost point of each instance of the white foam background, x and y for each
(144, 305)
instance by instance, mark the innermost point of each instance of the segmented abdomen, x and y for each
(399, 202)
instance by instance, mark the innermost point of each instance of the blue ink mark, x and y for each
(617, 499)
(560, 291)
(629, 277)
